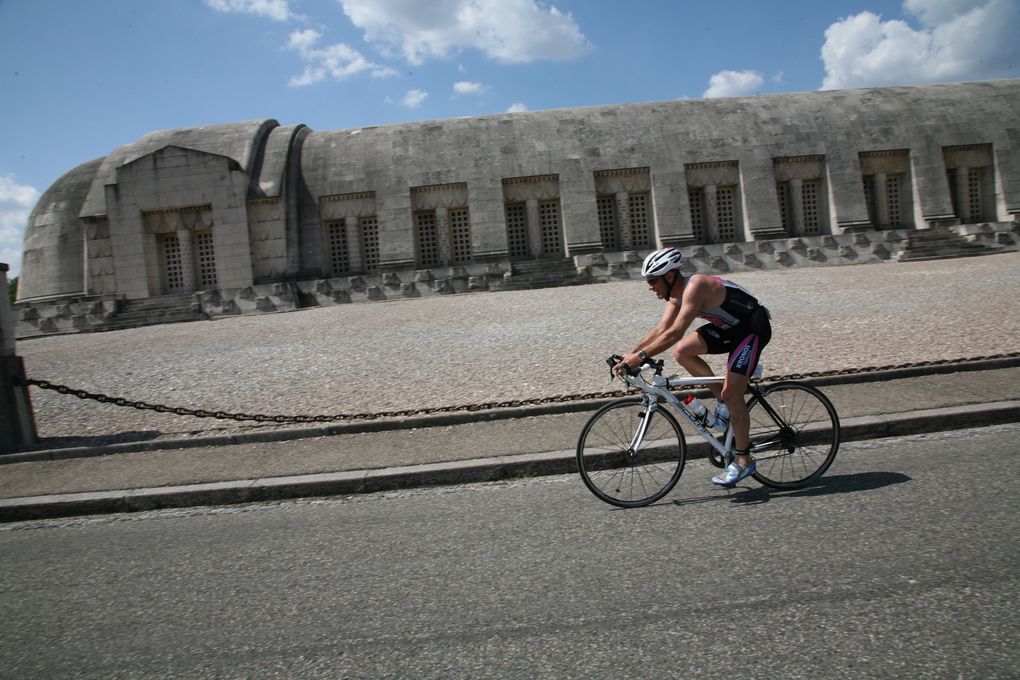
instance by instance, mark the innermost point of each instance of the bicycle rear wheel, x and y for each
(794, 434)
(617, 474)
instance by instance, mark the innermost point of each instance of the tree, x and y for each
(12, 288)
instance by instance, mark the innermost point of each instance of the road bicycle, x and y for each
(632, 451)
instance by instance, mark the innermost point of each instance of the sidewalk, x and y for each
(451, 449)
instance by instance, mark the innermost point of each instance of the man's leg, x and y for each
(733, 393)
(688, 353)
(742, 362)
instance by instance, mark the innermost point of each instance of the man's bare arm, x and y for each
(668, 315)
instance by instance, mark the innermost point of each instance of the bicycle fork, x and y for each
(639, 436)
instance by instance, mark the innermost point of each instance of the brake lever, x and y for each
(613, 361)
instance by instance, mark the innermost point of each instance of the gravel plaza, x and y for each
(483, 347)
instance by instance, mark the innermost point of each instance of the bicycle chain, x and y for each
(485, 406)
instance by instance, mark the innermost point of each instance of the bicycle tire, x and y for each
(608, 468)
(793, 453)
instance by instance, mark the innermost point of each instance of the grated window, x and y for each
(517, 230)
(639, 220)
(549, 222)
(369, 242)
(696, 196)
(809, 202)
(206, 259)
(608, 229)
(974, 194)
(460, 235)
(173, 266)
(428, 240)
(339, 254)
(726, 213)
(892, 192)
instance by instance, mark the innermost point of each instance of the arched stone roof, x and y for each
(52, 255)
(239, 141)
(572, 144)
(681, 131)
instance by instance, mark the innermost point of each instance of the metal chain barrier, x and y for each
(486, 406)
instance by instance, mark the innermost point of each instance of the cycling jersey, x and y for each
(738, 306)
(740, 327)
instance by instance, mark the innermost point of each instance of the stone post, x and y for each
(17, 423)
(963, 194)
(187, 260)
(796, 207)
(536, 244)
(710, 218)
(881, 193)
(443, 234)
(623, 220)
(353, 235)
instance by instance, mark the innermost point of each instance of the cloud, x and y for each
(337, 61)
(509, 31)
(414, 98)
(733, 84)
(277, 10)
(517, 107)
(465, 87)
(16, 201)
(957, 40)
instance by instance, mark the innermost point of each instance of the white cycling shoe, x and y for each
(733, 474)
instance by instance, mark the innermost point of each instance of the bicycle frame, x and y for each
(660, 388)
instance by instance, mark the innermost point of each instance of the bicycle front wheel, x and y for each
(623, 471)
(794, 434)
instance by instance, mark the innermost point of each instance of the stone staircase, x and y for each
(155, 310)
(942, 243)
(543, 274)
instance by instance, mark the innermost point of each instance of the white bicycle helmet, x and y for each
(661, 261)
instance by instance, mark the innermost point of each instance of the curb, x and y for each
(462, 417)
(456, 472)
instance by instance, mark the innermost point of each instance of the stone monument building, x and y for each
(258, 216)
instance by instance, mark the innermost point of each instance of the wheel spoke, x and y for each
(798, 450)
(615, 474)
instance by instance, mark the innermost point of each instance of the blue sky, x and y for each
(81, 77)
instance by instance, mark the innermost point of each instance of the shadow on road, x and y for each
(864, 481)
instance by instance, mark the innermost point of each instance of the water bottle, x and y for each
(721, 417)
(698, 409)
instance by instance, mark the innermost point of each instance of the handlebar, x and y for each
(647, 363)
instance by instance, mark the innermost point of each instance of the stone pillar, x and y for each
(962, 194)
(881, 193)
(187, 261)
(671, 207)
(796, 207)
(353, 235)
(760, 199)
(535, 241)
(488, 221)
(848, 208)
(443, 234)
(933, 207)
(623, 220)
(711, 217)
(17, 423)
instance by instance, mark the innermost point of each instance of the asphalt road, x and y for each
(902, 562)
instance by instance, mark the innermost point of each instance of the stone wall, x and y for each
(257, 216)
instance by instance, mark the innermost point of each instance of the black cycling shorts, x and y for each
(744, 342)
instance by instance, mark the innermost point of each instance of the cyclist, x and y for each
(738, 325)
